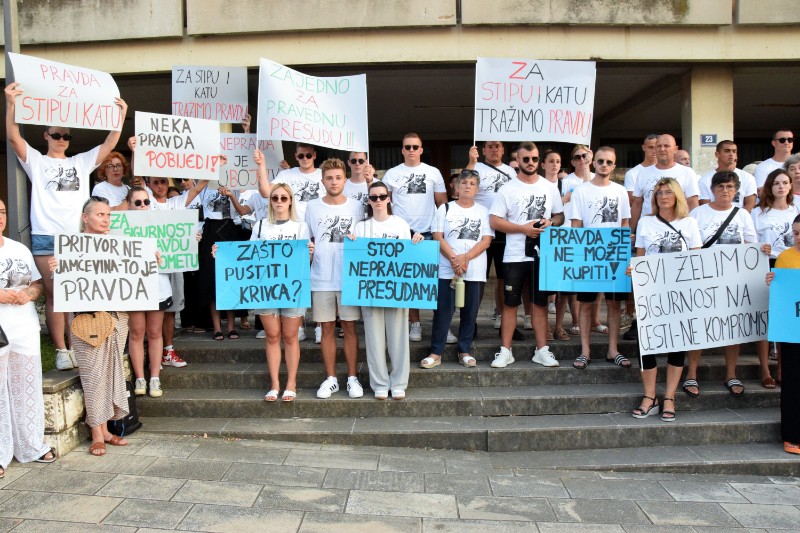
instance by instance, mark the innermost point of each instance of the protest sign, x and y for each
(263, 274)
(585, 259)
(534, 100)
(390, 273)
(212, 93)
(175, 233)
(293, 106)
(784, 306)
(240, 172)
(701, 298)
(63, 95)
(176, 147)
(105, 273)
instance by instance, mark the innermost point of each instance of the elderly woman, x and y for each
(668, 229)
(101, 372)
(21, 403)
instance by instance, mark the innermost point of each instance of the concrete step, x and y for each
(437, 402)
(448, 374)
(497, 433)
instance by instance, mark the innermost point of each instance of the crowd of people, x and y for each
(494, 220)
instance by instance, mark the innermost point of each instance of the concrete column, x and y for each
(706, 109)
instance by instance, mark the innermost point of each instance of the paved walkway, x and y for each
(204, 484)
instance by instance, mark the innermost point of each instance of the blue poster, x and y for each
(784, 306)
(390, 273)
(263, 274)
(585, 259)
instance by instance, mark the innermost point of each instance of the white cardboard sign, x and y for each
(240, 172)
(212, 93)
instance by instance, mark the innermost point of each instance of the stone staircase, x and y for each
(518, 408)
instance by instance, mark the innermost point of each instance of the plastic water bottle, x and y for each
(459, 292)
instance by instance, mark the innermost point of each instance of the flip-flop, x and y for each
(42, 458)
(581, 362)
(620, 360)
(731, 383)
(233, 334)
(271, 396)
(691, 383)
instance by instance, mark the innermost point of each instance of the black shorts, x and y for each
(514, 282)
(589, 297)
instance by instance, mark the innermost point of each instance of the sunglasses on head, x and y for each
(411, 147)
(378, 197)
(95, 199)
(785, 140)
(140, 203)
(305, 156)
(529, 159)
(602, 162)
(355, 161)
(59, 136)
(277, 198)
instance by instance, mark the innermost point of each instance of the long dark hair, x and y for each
(378, 184)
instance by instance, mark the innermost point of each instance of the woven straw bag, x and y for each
(93, 327)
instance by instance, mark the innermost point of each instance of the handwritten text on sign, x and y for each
(176, 147)
(701, 298)
(174, 231)
(534, 100)
(63, 95)
(212, 93)
(390, 273)
(263, 275)
(585, 259)
(105, 273)
(784, 306)
(240, 172)
(293, 106)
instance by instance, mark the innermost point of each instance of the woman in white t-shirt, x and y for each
(21, 402)
(385, 327)
(773, 219)
(668, 229)
(110, 173)
(463, 231)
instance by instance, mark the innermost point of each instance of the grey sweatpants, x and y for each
(386, 326)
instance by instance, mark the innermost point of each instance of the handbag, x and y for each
(3, 338)
(93, 327)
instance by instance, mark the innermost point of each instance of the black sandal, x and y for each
(668, 416)
(233, 334)
(653, 410)
(691, 383)
(731, 383)
(620, 360)
(218, 336)
(581, 362)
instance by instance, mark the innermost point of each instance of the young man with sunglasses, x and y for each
(524, 208)
(362, 174)
(417, 190)
(782, 144)
(60, 186)
(304, 179)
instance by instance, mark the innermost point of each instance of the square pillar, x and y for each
(706, 109)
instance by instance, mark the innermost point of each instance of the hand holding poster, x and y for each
(534, 100)
(175, 233)
(701, 298)
(293, 106)
(105, 273)
(263, 274)
(784, 306)
(240, 172)
(176, 147)
(585, 259)
(56, 94)
(390, 273)
(212, 93)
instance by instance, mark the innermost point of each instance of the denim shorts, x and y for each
(43, 245)
(289, 312)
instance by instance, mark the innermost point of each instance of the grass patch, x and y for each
(48, 353)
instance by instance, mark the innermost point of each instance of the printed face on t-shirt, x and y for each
(532, 207)
(335, 228)
(14, 273)
(465, 228)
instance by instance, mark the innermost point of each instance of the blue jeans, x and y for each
(444, 314)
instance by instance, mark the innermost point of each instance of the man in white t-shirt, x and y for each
(417, 189)
(727, 156)
(524, 208)
(782, 144)
(329, 220)
(59, 188)
(649, 150)
(304, 179)
(362, 174)
(601, 203)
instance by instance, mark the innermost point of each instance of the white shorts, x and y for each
(325, 303)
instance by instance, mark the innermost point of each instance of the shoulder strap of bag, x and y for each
(670, 226)
(722, 227)
(497, 169)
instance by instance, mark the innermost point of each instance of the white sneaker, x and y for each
(498, 322)
(328, 387)
(301, 334)
(415, 332)
(140, 387)
(544, 357)
(503, 358)
(451, 339)
(318, 335)
(526, 322)
(63, 360)
(155, 388)
(73, 358)
(625, 321)
(263, 334)
(551, 308)
(354, 388)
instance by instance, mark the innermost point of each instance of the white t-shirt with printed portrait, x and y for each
(59, 189)
(521, 202)
(357, 191)
(289, 230)
(763, 169)
(393, 227)
(648, 177)
(462, 228)
(740, 230)
(17, 272)
(413, 191)
(491, 180)
(655, 237)
(329, 225)
(774, 227)
(305, 187)
(600, 207)
(115, 194)
(747, 187)
(217, 206)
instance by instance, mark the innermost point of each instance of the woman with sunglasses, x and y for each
(668, 229)
(385, 327)
(111, 171)
(59, 186)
